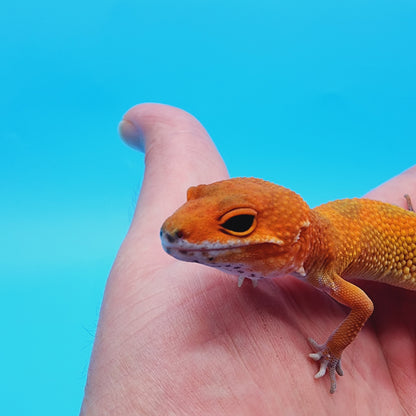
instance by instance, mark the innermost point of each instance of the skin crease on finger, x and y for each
(176, 338)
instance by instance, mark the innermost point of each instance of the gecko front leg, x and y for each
(329, 354)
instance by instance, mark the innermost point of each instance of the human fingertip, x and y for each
(131, 134)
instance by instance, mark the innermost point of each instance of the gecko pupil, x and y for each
(239, 223)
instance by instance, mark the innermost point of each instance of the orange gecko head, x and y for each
(243, 222)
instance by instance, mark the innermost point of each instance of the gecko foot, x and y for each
(409, 203)
(328, 361)
(242, 278)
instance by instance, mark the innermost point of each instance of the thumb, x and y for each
(178, 153)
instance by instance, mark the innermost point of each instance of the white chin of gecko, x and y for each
(208, 258)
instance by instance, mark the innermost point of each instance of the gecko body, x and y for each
(255, 229)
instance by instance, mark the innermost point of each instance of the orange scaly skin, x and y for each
(256, 229)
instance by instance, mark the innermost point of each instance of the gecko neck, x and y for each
(320, 252)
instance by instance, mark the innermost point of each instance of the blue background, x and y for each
(316, 95)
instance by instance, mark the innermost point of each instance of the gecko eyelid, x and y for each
(239, 222)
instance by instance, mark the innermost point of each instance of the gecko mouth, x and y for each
(179, 250)
(178, 243)
(205, 252)
(185, 247)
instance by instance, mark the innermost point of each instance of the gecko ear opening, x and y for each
(239, 222)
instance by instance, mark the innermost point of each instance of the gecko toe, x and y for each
(339, 369)
(322, 369)
(315, 346)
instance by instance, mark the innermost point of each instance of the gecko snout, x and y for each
(170, 237)
(174, 236)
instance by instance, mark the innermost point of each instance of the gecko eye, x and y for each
(239, 222)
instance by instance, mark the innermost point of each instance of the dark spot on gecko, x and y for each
(252, 275)
(210, 258)
(185, 252)
(237, 267)
(240, 271)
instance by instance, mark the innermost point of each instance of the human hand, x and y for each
(181, 339)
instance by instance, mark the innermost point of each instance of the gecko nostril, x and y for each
(170, 238)
(173, 236)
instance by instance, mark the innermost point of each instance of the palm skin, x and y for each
(181, 339)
